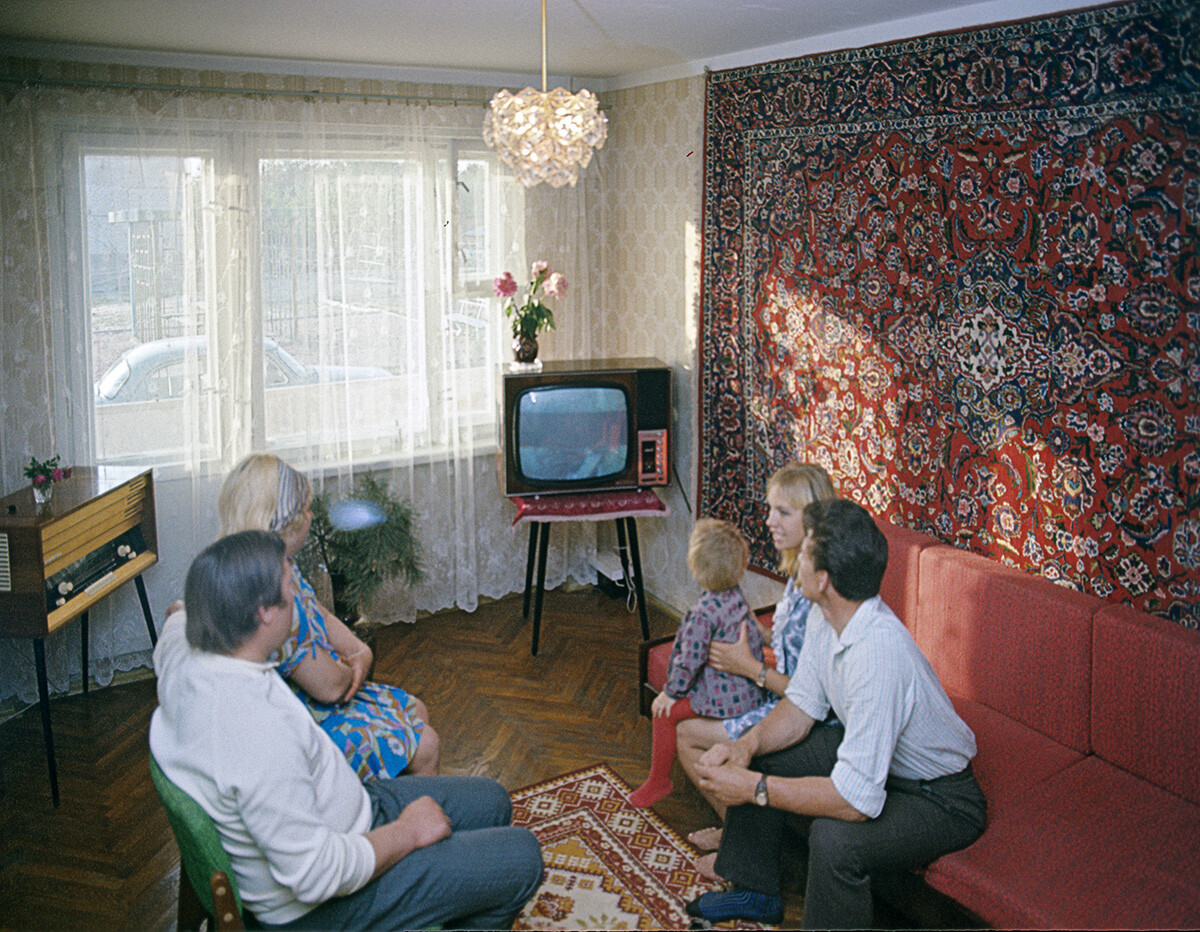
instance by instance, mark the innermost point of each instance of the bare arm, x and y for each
(811, 796)
(322, 676)
(737, 658)
(725, 770)
(351, 650)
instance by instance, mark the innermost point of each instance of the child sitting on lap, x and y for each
(717, 557)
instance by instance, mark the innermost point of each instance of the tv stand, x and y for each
(540, 511)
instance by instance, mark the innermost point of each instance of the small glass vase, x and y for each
(43, 493)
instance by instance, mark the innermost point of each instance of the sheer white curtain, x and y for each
(189, 276)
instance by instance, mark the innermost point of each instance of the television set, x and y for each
(585, 426)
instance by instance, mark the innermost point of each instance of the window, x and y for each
(242, 291)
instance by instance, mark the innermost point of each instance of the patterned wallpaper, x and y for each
(649, 288)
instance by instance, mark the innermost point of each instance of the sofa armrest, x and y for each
(647, 692)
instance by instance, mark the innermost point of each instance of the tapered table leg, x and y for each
(39, 659)
(636, 556)
(543, 545)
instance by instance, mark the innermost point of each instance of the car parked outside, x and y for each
(155, 370)
(160, 392)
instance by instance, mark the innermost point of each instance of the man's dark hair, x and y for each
(848, 545)
(226, 586)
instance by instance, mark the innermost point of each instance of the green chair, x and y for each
(211, 890)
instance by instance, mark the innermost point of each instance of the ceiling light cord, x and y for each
(543, 46)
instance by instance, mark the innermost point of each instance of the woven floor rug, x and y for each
(608, 865)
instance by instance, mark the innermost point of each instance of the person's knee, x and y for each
(429, 752)
(420, 710)
(689, 734)
(834, 844)
(527, 859)
(492, 796)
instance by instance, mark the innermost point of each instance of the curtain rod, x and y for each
(190, 88)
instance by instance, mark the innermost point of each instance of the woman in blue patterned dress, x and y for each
(789, 490)
(382, 730)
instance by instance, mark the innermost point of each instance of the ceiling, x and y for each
(595, 39)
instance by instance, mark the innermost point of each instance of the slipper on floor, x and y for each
(706, 839)
(706, 867)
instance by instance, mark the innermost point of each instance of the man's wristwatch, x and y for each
(760, 792)
(761, 680)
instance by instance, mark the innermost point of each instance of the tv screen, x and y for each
(568, 433)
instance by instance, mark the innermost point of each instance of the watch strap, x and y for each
(760, 792)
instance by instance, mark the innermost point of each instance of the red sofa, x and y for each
(1087, 719)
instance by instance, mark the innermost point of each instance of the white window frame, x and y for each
(239, 156)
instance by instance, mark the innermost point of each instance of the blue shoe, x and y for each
(721, 906)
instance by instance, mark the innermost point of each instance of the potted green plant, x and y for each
(360, 561)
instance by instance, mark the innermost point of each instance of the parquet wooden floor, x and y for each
(105, 859)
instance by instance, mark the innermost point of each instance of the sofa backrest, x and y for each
(1146, 698)
(1016, 643)
(902, 577)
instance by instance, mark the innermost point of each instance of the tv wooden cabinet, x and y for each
(59, 559)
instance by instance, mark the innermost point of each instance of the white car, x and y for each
(158, 398)
(155, 370)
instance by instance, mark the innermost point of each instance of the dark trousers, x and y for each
(921, 820)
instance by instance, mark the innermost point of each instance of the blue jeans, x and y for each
(480, 877)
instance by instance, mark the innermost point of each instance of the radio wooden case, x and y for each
(59, 559)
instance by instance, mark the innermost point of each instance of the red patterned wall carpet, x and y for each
(962, 272)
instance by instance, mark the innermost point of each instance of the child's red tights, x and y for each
(662, 755)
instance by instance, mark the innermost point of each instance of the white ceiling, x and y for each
(609, 40)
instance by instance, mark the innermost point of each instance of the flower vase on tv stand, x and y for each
(525, 349)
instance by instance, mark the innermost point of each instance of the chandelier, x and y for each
(545, 136)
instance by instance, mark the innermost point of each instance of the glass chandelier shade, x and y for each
(545, 135)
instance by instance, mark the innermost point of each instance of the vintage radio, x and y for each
(59, 559)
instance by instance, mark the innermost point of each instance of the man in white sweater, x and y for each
(311, 846)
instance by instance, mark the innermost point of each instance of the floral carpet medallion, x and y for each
(962, 272)
(608, 865)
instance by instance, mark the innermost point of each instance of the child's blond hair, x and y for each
(717, 554)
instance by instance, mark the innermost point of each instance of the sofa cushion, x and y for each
(1146, 698)
(899, 585)
(1093, 847)
(1017, 643)
(1012, 757)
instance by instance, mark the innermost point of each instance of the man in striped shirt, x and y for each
(888, 786)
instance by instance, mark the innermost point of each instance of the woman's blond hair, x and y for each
(799, 484)
(717, 554)
(249, 499)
